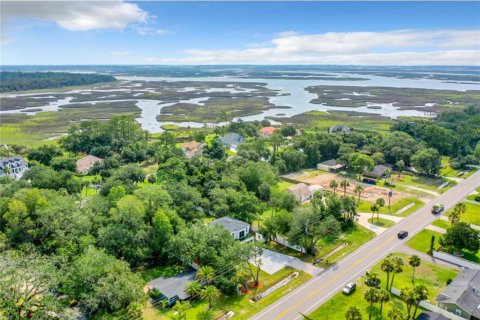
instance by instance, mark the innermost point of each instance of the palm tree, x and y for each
(395, 314)
(400, 167)
(206, 275)
(353, 313)
(358, 191)
(420, 293)
(344, 184)
(414, 261)
(374, 208)
(457, 212)
(210, 293)
(383, 296)
(372, 297)
(387, 267)
(380, 202)
(408, 296)
(193, 288)
(179, 310)
(397, 268)
(373, 280)
(334, 185)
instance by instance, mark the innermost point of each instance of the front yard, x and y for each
(240, 303)
(472, 213)
(432, 276)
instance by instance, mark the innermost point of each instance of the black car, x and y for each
(402, 234)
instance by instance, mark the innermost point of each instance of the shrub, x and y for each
(477, 197)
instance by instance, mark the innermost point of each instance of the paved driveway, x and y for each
(273, 261)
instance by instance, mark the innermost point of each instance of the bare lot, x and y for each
(370, 193)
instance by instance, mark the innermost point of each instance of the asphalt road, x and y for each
(322, 287)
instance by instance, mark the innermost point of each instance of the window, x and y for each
(242, 234)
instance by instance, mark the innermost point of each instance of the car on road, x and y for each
(438, 208)
(349, 288)
(402, 234)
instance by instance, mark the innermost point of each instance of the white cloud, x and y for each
(146, 30)
(412, 47)
(77, 15)
(120, 53)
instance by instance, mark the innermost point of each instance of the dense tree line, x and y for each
(19, 81)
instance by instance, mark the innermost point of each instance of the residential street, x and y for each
(322, 287)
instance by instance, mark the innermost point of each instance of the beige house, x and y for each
(301, 192)
(85, 164)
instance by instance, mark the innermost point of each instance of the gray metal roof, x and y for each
(463, 291)
(330, 163)
(174, 286)
(232, 139)
(230, 224)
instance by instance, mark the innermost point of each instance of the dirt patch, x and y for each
(370, 193)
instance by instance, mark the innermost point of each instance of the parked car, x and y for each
(349, 288)
(438, 208)
(402, 234)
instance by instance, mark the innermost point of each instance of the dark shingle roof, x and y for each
(464, 291)
(174, 286)
(230, 224)
(428, 315)
(378, 171)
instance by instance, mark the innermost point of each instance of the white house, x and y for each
(238, 229)
(13, 166)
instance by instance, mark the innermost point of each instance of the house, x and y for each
(330, 165)
(13, 166)
(429, 315)
(172, 288)
(301, 192)
(379, 172)
(192, 149)
(86, 163)
(232, 140)
(339, 129)
(314, 188)
(238, 229)
(462, 295)
(267, 131)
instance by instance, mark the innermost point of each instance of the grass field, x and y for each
(430, 275)
(441, 224)
(240, 304)
(421, 241)
(364, 206)
(384, 223)
(472, 213)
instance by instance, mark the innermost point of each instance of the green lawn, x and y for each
(384, 223)
(421, 241)
(471, 215)
(148, 274)
(433, 276)
(364, 206)
(447, 170)
(441, 224)
(282, 185)
(409, 179)
(355, 237)
(240, 304)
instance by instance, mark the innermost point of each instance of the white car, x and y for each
(349, 288)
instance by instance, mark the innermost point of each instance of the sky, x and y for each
(353, 33)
